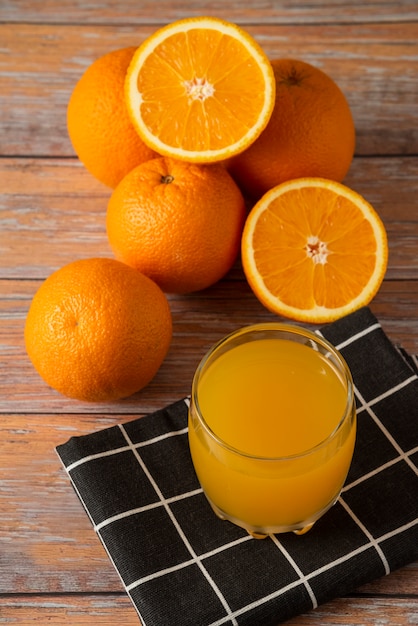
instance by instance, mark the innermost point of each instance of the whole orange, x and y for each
(310, 133)
(98, 330)
(177, 222)
(98, 122)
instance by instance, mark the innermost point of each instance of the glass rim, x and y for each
(292, 329)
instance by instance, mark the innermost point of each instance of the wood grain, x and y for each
(244, 12)
(53, 568)
(111, 609)
(371, 63)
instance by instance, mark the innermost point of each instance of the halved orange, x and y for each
(200, 89)
(314, 250)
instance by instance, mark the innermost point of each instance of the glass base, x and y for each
(259, 532)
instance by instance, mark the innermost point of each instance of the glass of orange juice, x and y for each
(272, 427)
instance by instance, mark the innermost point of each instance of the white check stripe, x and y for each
(98, 455)
(358, 336)
(141, 444)
(355, 337)
(297, 569)
(370, 537)
(378, 470)
(147, 507)
(184, 564)
(385, 394)
(186, 542)
(368, 407)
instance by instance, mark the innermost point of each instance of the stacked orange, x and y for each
(98, 122)
(310, 133)
(182, 128)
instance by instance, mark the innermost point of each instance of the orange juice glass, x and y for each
(272, 427)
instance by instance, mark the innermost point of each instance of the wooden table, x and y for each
(53, 569)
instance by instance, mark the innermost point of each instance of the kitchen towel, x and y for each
(182, 566)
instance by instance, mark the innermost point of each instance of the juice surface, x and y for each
(272, 397)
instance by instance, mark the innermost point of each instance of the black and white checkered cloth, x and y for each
(182, 566)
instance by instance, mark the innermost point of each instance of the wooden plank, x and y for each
(48, 544)
(130, 11)
(372, 63)
(361, 612)
(53, 212)
(198, 320)
(108, 610)
(79, 610)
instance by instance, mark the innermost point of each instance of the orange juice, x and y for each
(272, 427)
